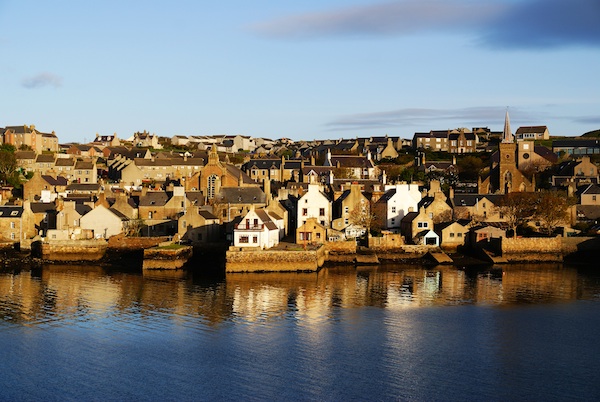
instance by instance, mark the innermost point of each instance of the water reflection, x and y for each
(81, 294)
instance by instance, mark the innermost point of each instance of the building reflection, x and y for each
(90, 292)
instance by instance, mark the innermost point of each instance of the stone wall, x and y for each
(571, 245)
(341, 247)
(274, 260)
(74, 250)
(166, 258)
(388, 242)
(532, 249)
(133, 243)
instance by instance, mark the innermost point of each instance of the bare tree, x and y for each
(518, 208)
(552, 210)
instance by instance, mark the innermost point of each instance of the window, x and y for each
(393, 210)
(321, 211)
(346, 221)
(304, 211)
(459, 234)
(593, 198)
(451, 234)
(422, 224)
(346, 209)
(323, 223)
(211, 185)
(224, 213)
(244, 239)
(12, 236)
(431, 215)
(12, 225)
(254, 239)
(393, 221)
(255, 222)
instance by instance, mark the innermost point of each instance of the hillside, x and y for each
(592, 134)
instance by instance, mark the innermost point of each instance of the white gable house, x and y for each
(257, 229)
(314, 204)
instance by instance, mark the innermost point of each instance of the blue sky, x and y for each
(298, 69)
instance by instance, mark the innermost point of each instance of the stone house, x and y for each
(580, 171)
(532, 133)
(348, 207)
(361, 167)
(85, 172)
(146, 140)
(65, 167)
(16, 223)
(485, 232)
(198, 226)
(125, 205)
(44, 163)
(415, 225)
(389, 151)
(436, 203)
(232, 202)
(44, 216)
(311, 231)
(452, 234)
(591, 195)
(478, 207)
(39, 142)
(106, 140)
(33, 188)
(436, 140)
(462, 141)
(26, 160)
(69, 213)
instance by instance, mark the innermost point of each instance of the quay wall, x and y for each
(274, 260)
(166, 258)
(121, 242)
(532, 249)
(74, 250)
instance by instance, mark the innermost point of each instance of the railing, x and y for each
(243, 226)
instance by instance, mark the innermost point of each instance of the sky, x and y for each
(298, 69)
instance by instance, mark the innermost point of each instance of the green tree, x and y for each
(8, 165)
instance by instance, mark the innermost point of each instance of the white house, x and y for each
(398, 200)
(257, 229)
(314, 204)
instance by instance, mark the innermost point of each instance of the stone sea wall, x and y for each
(274, 260)
(74, 250)
(532, 249)
(166, 258)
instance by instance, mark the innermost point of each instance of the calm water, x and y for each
(394, 332)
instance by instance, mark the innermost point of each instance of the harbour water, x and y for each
(391, 332)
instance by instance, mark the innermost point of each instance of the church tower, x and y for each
(507, 163)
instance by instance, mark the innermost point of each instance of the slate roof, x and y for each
(64, 162)
(91, 187)
(154, 198)
(58, 181)
(45, 158)
(41, 207)
(531, 129)
(206, 214)
(592, 189)
(469, 200)
(266, 219)
(241, 195)
(591, 212)
(11, 211)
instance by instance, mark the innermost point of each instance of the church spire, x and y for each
(507, 135)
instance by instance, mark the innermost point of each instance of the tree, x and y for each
(552, 210)
(343, 173)
(8, 164)
(469, 168)
(365, 215)
(517, 208)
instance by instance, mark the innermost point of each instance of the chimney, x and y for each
(384, 178)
